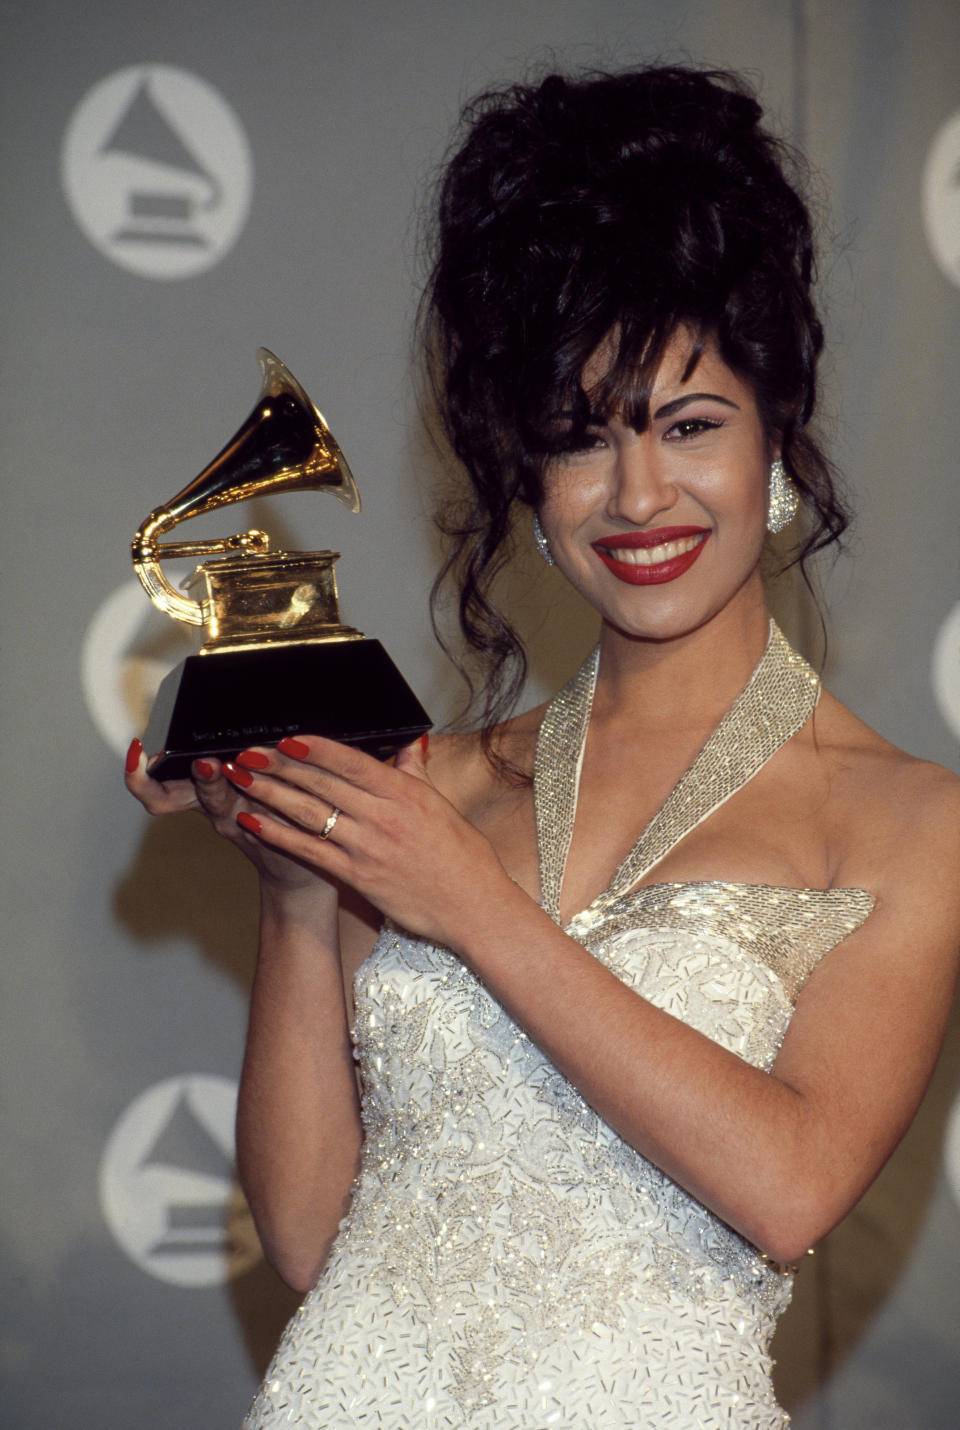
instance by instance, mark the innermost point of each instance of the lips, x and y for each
(647, 558)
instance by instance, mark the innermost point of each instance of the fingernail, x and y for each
(250, 822)
(424, 742)
(296, 749)
(253, 759)
(237, 776)
(133, 755)
(204, 769)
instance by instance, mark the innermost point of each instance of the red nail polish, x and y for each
(249, 822)
(237, 776)
(424, 742)
(133, 755)
(204, 769)
(253, 759)
(293, 747)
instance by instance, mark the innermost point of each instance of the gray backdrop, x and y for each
(182, 184)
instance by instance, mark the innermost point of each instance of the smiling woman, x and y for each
(638, 209)
(643, 985)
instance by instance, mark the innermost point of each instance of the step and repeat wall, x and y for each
(183, 184)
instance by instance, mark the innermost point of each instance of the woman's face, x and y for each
(661, 529)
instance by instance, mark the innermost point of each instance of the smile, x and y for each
(646, 558)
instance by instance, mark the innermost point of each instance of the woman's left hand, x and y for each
(394, 837)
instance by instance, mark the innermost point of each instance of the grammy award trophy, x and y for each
(276, 659)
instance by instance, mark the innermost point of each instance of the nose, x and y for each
(641, 487)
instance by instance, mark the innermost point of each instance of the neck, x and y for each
(685, 681)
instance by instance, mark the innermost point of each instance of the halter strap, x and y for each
(776, 702)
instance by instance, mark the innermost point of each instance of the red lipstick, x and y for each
(692, 538)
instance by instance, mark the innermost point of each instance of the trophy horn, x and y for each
(284, 445)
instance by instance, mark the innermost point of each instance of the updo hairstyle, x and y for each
(608, 208)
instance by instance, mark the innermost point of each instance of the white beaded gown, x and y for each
(508, 1262)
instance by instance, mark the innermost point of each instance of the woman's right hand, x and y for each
(209, 791)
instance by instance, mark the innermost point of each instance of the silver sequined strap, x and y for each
(561, 741)
(776, 702)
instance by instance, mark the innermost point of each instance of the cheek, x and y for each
(569, 497)
(740, 489)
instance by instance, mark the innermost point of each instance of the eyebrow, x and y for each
(669, 408)
(596, 419)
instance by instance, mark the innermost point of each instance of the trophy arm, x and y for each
(146, 563)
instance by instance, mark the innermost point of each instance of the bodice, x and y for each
(500, 1206)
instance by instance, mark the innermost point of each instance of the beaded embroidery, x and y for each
(508, 1262)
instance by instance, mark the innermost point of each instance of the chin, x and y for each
(673, 621)
(661, 636)
(666, 627)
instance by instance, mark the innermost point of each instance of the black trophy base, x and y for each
(217, 705)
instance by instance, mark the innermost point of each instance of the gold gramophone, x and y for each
(276, 659)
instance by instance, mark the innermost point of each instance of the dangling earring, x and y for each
(782, 499)
(541, 540)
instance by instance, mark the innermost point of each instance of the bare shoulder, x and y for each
(889, 809)
(460, 769)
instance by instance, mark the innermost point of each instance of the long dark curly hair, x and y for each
(608, 208)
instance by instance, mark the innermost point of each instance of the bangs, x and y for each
(612, 377)
(626, 380)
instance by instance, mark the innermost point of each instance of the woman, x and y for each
(667, 962)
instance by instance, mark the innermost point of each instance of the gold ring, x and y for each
(332, 818)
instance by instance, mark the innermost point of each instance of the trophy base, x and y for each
(214, 706)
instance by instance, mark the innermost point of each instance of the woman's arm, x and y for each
(780, 1157)
(298, 1120)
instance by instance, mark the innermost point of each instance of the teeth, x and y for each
(653, 555)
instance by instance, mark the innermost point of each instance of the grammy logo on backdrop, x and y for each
(276, 658)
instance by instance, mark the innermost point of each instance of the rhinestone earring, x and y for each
(782, 499)
(541, 540)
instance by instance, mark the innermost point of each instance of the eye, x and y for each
(687, 427)
(577, 444)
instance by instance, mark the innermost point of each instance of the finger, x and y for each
(216, 795)
(348, 777)
(304, 771)
(156, 797)
(346, 762)
(308, 809)
(323, 855)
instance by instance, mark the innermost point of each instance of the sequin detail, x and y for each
(508, 1262)
(789, 930)
(775, 703)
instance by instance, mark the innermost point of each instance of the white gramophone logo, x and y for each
(168, 1190)
(157, 171)
(126, 651)
(946, 669)
(941, 197)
